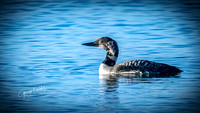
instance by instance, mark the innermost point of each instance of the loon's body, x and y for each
(143, 68)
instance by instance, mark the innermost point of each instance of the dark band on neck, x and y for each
(109, 62)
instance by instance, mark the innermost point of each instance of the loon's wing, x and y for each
(146, 66)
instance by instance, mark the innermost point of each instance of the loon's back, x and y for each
(145, 67)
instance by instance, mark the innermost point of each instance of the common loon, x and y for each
(144, 68)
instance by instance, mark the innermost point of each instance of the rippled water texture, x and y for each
(44, 67)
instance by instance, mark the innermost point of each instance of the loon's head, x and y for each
(110, 46)
(105, 43)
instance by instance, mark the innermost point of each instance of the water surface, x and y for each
(44, 67)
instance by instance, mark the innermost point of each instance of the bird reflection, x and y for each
(110, 98)
(109, 90)
(110, 82)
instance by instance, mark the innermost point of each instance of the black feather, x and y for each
(147, 66)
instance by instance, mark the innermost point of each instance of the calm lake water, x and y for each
(44, 67)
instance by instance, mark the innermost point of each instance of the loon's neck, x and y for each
(111, 58)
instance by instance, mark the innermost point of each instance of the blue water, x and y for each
(44, 67)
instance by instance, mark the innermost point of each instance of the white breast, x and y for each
(105, 69)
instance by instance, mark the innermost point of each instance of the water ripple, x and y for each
(41, 46)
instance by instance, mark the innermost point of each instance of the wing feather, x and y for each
(146, 66)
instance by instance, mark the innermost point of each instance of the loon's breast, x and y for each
(105, 69)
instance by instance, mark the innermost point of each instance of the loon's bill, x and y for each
(89, 44)
(143, 68)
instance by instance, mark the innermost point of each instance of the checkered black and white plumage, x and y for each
(145, 66)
